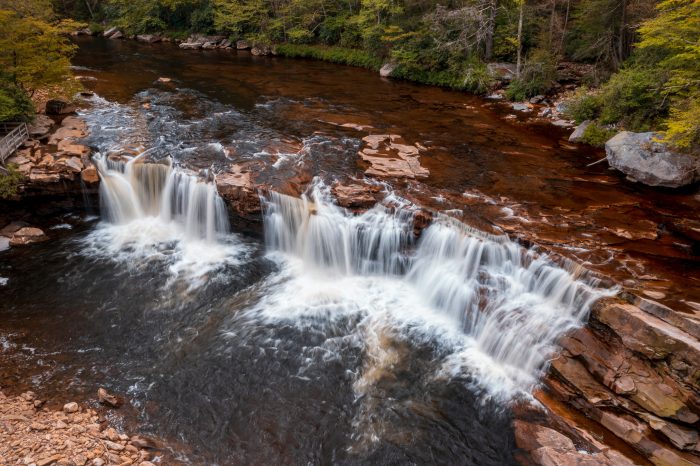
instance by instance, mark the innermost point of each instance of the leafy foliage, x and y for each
(10, 181)
(34, 53)
(597, 135)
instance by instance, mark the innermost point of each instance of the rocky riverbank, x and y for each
(55, 168)
(76, 435)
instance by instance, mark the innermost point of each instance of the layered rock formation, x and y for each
(48, 167)
(635, 371)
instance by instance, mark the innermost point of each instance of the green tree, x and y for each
(34, 53)
(672, 41)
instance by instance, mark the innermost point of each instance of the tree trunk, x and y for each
(87, 4)
(566, 23)
(621, 34)
(490, 29)
(518, 63)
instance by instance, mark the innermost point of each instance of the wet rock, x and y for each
(682, 437)
(388, 157)
(521, 107)
(108, 399)
(243, 45)
(501, 71)
(71, 407)
(237, 188)
(355, 196)
(261, 50)
(27, 235)
(191, 45)
(90, 175)
(143, 442)
(537, 99)
(547, 447)
(117, 35)
(58, 107)
(578, 132)
(562, 123)
(648, 161)
(148, 38)
(41, 127)
(387, 69)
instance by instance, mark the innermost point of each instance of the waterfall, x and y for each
(136, 189)
(507, 301)
(155, 215)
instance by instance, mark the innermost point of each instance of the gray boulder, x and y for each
(650, 162)
(578, 132)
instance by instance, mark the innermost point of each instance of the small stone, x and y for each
(48, 461)
(38, 426)
(61, 425)
(71, 407)
(38, 404)
(107, 399)
(113, 445)
(98, 462)
(146, 463)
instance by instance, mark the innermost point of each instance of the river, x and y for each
(319, 336)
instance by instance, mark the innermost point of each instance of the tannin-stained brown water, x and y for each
(238, 357)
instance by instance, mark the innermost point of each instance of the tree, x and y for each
(34, 53)
(672, 43)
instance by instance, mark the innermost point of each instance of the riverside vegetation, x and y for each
(642, 57)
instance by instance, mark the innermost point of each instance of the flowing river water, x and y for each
(322, 336)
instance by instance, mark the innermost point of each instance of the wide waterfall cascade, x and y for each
(509, 303)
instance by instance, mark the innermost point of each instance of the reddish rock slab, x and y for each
(389, 157)
(238, 189)
(27, 235)
(356, 195)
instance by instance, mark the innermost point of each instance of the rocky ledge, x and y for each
(33, 435)
(54, 157)
(631, 376)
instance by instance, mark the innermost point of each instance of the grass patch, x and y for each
(343, 56)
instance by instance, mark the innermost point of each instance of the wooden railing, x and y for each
(14, 135)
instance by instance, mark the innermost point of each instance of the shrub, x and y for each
(15, 104)
(633, 98)
(596, 135)
(583, 106)
(536, 77)
(10, 181)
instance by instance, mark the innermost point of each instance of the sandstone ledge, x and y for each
(636, 376)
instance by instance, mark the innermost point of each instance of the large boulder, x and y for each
(643, 158)
(59, 107)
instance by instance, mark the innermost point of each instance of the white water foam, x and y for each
(154, 212)
(497, 306)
